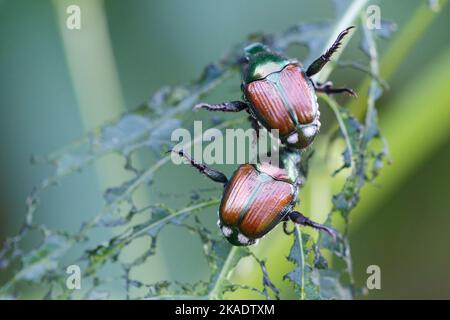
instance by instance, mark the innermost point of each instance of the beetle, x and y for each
(279, 94)
(255, 200)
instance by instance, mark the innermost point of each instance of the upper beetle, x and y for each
(280, 94)
(255, 200)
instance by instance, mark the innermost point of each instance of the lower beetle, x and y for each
(279, 93)
(255, 200)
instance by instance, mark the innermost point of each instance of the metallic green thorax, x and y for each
(261, 62)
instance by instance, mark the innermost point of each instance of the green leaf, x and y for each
(38, 263)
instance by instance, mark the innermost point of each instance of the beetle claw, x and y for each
(351, 93)
(285, 229)
(299, 218)
(197, 107)
(331, 232)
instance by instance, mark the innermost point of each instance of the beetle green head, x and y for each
(260, 62)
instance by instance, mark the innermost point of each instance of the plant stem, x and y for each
(224, 274)
(347, 19)
(335, 108)
(302, 262)
(350, 15)
(94, 76)
(401, 46)
(413, 143)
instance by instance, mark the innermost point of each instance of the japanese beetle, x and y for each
(255, 200)
(279, 94)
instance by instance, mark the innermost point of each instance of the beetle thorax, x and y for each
(261, 62)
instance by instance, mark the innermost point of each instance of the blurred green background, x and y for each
(56, 85)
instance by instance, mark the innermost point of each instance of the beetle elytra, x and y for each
(255, 200)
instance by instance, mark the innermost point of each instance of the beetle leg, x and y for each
(299, 181)
(232, 106)
(285, 228)
(255, 125)
(214, 175)
(328, 88)
(299, 218)
(320, 62)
